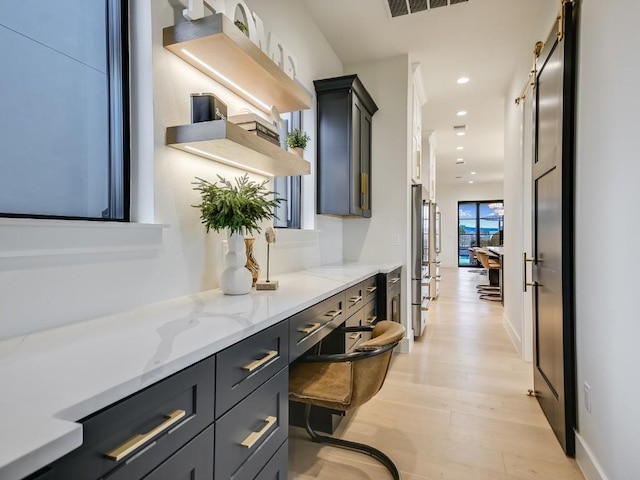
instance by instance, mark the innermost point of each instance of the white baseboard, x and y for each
(406, 344)
(513, 335)
(587, 461)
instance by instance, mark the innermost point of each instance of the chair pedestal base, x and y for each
(355, 446)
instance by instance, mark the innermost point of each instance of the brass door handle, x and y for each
(254, 437)
(333, 314)
(139, 440)
(525, 284)
(310, 328)
(371, 289)
(355, 299)
(372, 319)
(355, 336)
(393, 281)
(250, 367)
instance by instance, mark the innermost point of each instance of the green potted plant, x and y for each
(297, 141)
(236, 208)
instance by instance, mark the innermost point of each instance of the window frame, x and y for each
(119, 181)
(292, 184)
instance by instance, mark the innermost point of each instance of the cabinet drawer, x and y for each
(393, 279)
(135, 435)
(194, 461)
(370, 313)
(370, 287)
(251, 432)
(351, 339)
(313, 324)
(243, 367)
(278, 466)
(354, 299)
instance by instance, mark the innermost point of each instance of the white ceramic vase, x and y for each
(235, 278)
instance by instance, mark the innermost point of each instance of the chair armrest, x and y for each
(346, 357)
(360, 328)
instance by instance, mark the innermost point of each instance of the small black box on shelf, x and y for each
(206, 107)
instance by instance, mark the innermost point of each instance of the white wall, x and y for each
(52, 275)
(607, 233)
(518, 151)
(447, 198)
(385, 236)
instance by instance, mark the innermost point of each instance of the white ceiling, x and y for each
(481, 39)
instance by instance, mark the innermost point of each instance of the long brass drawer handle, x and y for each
(355, 299)
(250, 367)
(371, 289)
(139, 440)
(372, 319)
(309, 328)
(253, 437)
(355, 336)
(333, 314)
(393, 281)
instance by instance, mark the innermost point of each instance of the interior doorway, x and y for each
(480, 224)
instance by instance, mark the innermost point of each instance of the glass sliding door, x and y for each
(480, 224)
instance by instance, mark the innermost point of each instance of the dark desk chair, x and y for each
(345, 381)
(491, 291)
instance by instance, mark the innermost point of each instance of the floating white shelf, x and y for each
(228, 143)
(216, 47)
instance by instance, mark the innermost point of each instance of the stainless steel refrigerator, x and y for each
(419, 266)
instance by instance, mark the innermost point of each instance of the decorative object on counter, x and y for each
(257, 125)
(242, 27)
(236, 209)
(206, 107)
(252, 264)
(270, 236)
(297, 141)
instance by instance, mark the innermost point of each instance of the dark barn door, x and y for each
(553, 192)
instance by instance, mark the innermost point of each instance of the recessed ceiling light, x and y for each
(459, 148)
(462, 80)
(472, 173)
(470, 181)
(461, 134)
(461, 113)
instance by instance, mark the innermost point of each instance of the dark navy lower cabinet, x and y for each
(193, 461)
(278, 466)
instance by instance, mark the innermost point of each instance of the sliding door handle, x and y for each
(526, 284)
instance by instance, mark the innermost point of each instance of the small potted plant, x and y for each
(297, 141)
(237, 209)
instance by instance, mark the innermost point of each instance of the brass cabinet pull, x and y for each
(526, 284)
(253, 437)
(371, 289)
(372, 319)
(355, 299)
(250, 367)
(139, 440)
(333, 314)
(310, 328)
(393, 281)
(355, 336)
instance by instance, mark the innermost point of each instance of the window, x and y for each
(480, 224)
(64, 140)
(289, 189)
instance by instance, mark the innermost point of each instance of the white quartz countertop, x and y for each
(51, 379)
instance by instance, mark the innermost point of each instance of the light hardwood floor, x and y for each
(455, 408)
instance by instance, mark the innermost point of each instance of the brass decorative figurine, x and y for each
(270, 236)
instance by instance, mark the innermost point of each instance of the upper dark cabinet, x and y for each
(345, 109)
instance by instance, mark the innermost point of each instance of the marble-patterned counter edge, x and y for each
(52, 379)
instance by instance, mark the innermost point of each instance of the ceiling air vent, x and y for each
(398, 8)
